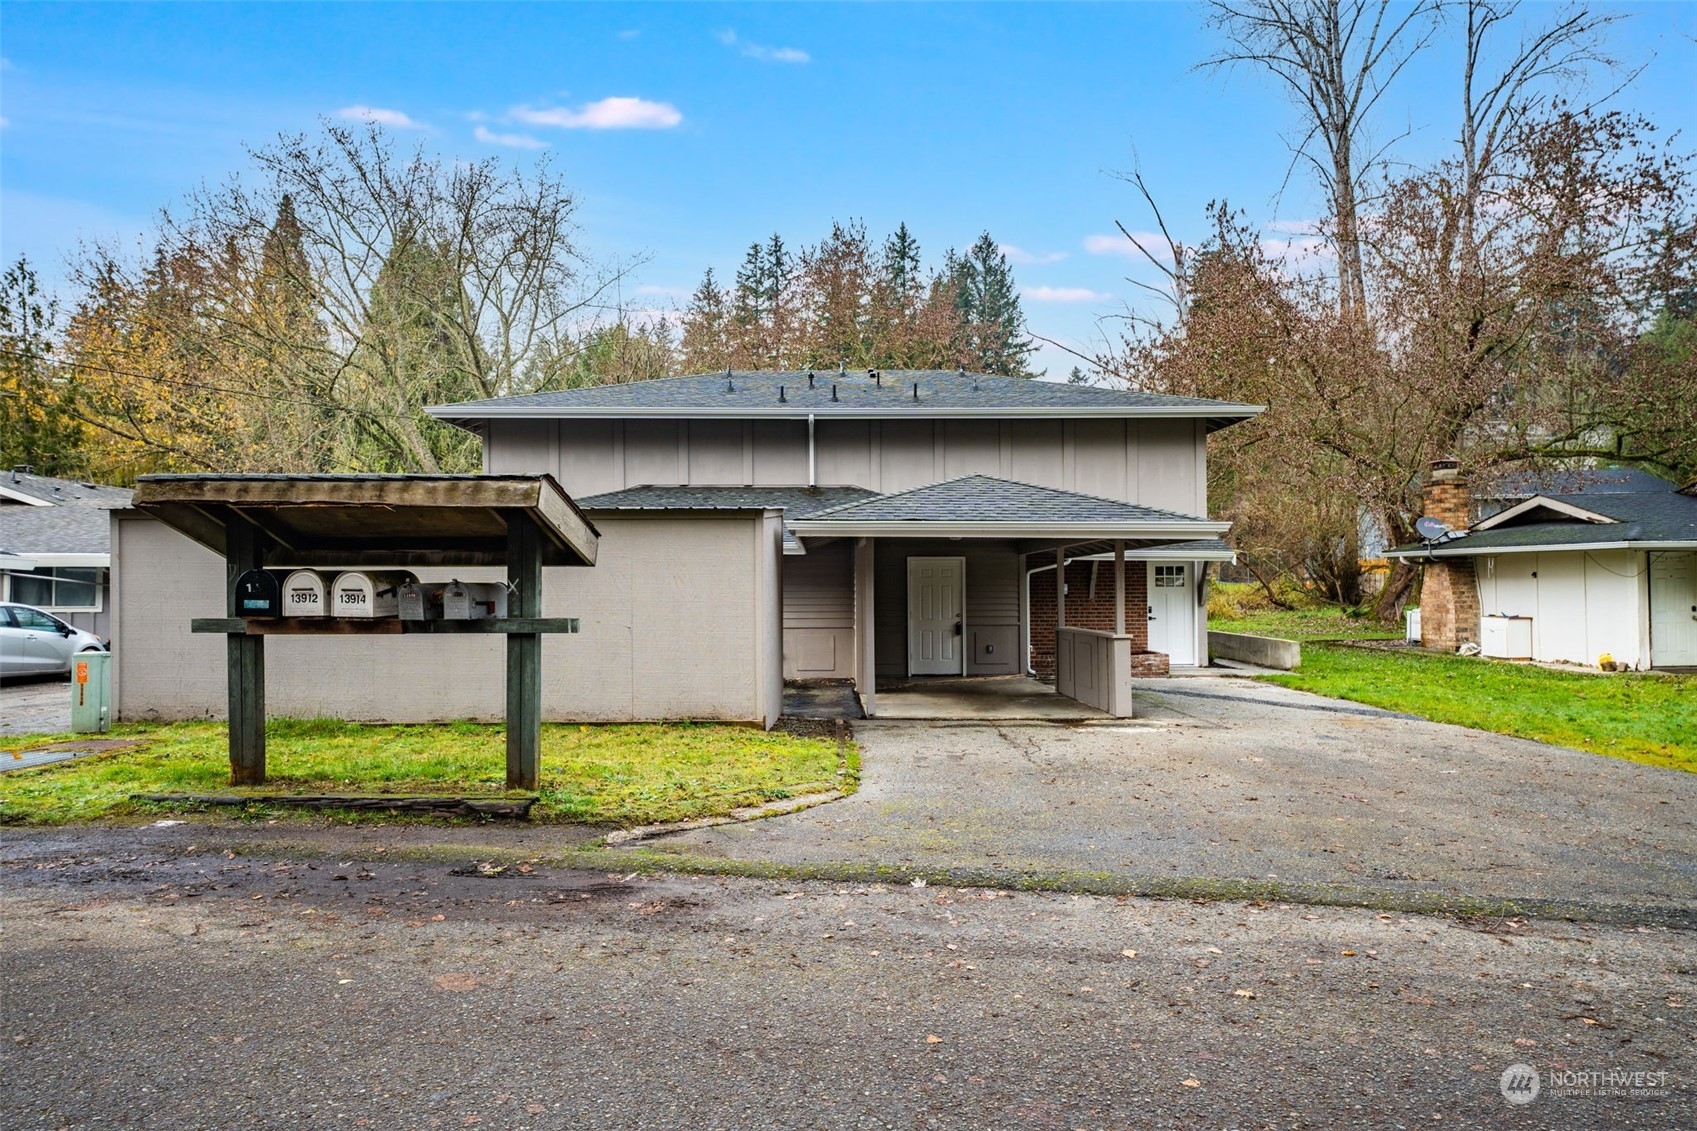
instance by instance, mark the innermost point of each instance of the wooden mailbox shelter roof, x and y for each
(373, 520)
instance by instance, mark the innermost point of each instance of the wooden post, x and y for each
(1119, 587)
(524, 654)
(1060, 595)
(244, 550)
(866, 651)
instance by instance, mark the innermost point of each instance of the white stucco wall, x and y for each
(679, 620)
(1582, 604)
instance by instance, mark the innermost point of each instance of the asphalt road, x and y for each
(151, 982)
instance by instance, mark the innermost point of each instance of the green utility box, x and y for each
(91, 692)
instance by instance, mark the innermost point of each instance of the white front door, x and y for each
(1172, 611)
(1673, 610)
(936, 606)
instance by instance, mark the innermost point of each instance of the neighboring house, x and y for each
(758, 526)
(1586, 563)
(54, 546)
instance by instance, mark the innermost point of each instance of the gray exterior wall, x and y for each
(819, 613)
(992, 602)
(1154, 462)
(679, 616)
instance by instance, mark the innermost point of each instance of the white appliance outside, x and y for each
(1505, 638)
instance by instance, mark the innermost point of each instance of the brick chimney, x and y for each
(1449, 592)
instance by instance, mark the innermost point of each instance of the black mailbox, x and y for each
(258, 594)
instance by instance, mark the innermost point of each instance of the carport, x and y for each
(924, 537)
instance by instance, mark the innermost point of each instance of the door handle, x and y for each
(958, 631)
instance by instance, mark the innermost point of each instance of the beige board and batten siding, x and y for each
(1582, 603)
(679, 620)
(819, 613)
(1157, 462)
(991, 627)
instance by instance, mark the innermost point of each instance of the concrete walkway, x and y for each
(1228, 780)
(980, 698)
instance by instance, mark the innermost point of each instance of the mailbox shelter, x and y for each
(372, 523)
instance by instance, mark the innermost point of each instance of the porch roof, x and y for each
(983, 506)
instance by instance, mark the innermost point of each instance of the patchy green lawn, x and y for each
(1642, 717)
(1326, 622)
(621, 775)
(1243, 607)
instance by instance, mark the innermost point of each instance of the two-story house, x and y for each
(763, 526)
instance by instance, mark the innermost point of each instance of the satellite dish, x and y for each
(1430, 529)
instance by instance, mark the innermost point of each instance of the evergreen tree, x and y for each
(993, 337)
(707, 328)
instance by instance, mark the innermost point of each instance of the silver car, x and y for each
(33, 642)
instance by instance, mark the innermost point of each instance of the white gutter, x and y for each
(99, 560)
(1465, 551)
(1080, 531)
(457, 413)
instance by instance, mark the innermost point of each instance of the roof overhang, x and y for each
(63, 561)
(1538, 503)
(1217, 417)
(373, 520)
(1460, 549)
(1071, 532)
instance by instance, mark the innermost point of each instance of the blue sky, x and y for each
(690, 131)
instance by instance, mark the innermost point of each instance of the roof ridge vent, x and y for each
(810, 378)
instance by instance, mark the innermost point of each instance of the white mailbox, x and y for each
(368, 593)
(421, 601)
(306, 593)
(473, 600)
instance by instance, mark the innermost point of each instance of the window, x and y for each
(1169, 577)
(64, 589)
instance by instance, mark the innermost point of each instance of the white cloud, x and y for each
(761, 52)
(663, 292)
(512, 141)
(1117, 244)
(630, 33)
(377, 115)
(1064, 294)
(607, 114)
(1027, 258)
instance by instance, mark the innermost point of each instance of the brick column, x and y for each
(1449, 591)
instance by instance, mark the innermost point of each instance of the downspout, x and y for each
(812, 460)
(1025, 615)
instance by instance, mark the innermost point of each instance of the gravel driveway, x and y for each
(35, 705)
(1226, 779)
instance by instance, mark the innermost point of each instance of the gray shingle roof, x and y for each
(63, 492)
(755, 393)
(1640, 516)
(987, 499)
(29, 530)
(795, 502)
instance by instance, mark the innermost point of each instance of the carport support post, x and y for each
(524, 654)
(244, 550)
(1060, 595)
(1119, 587)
